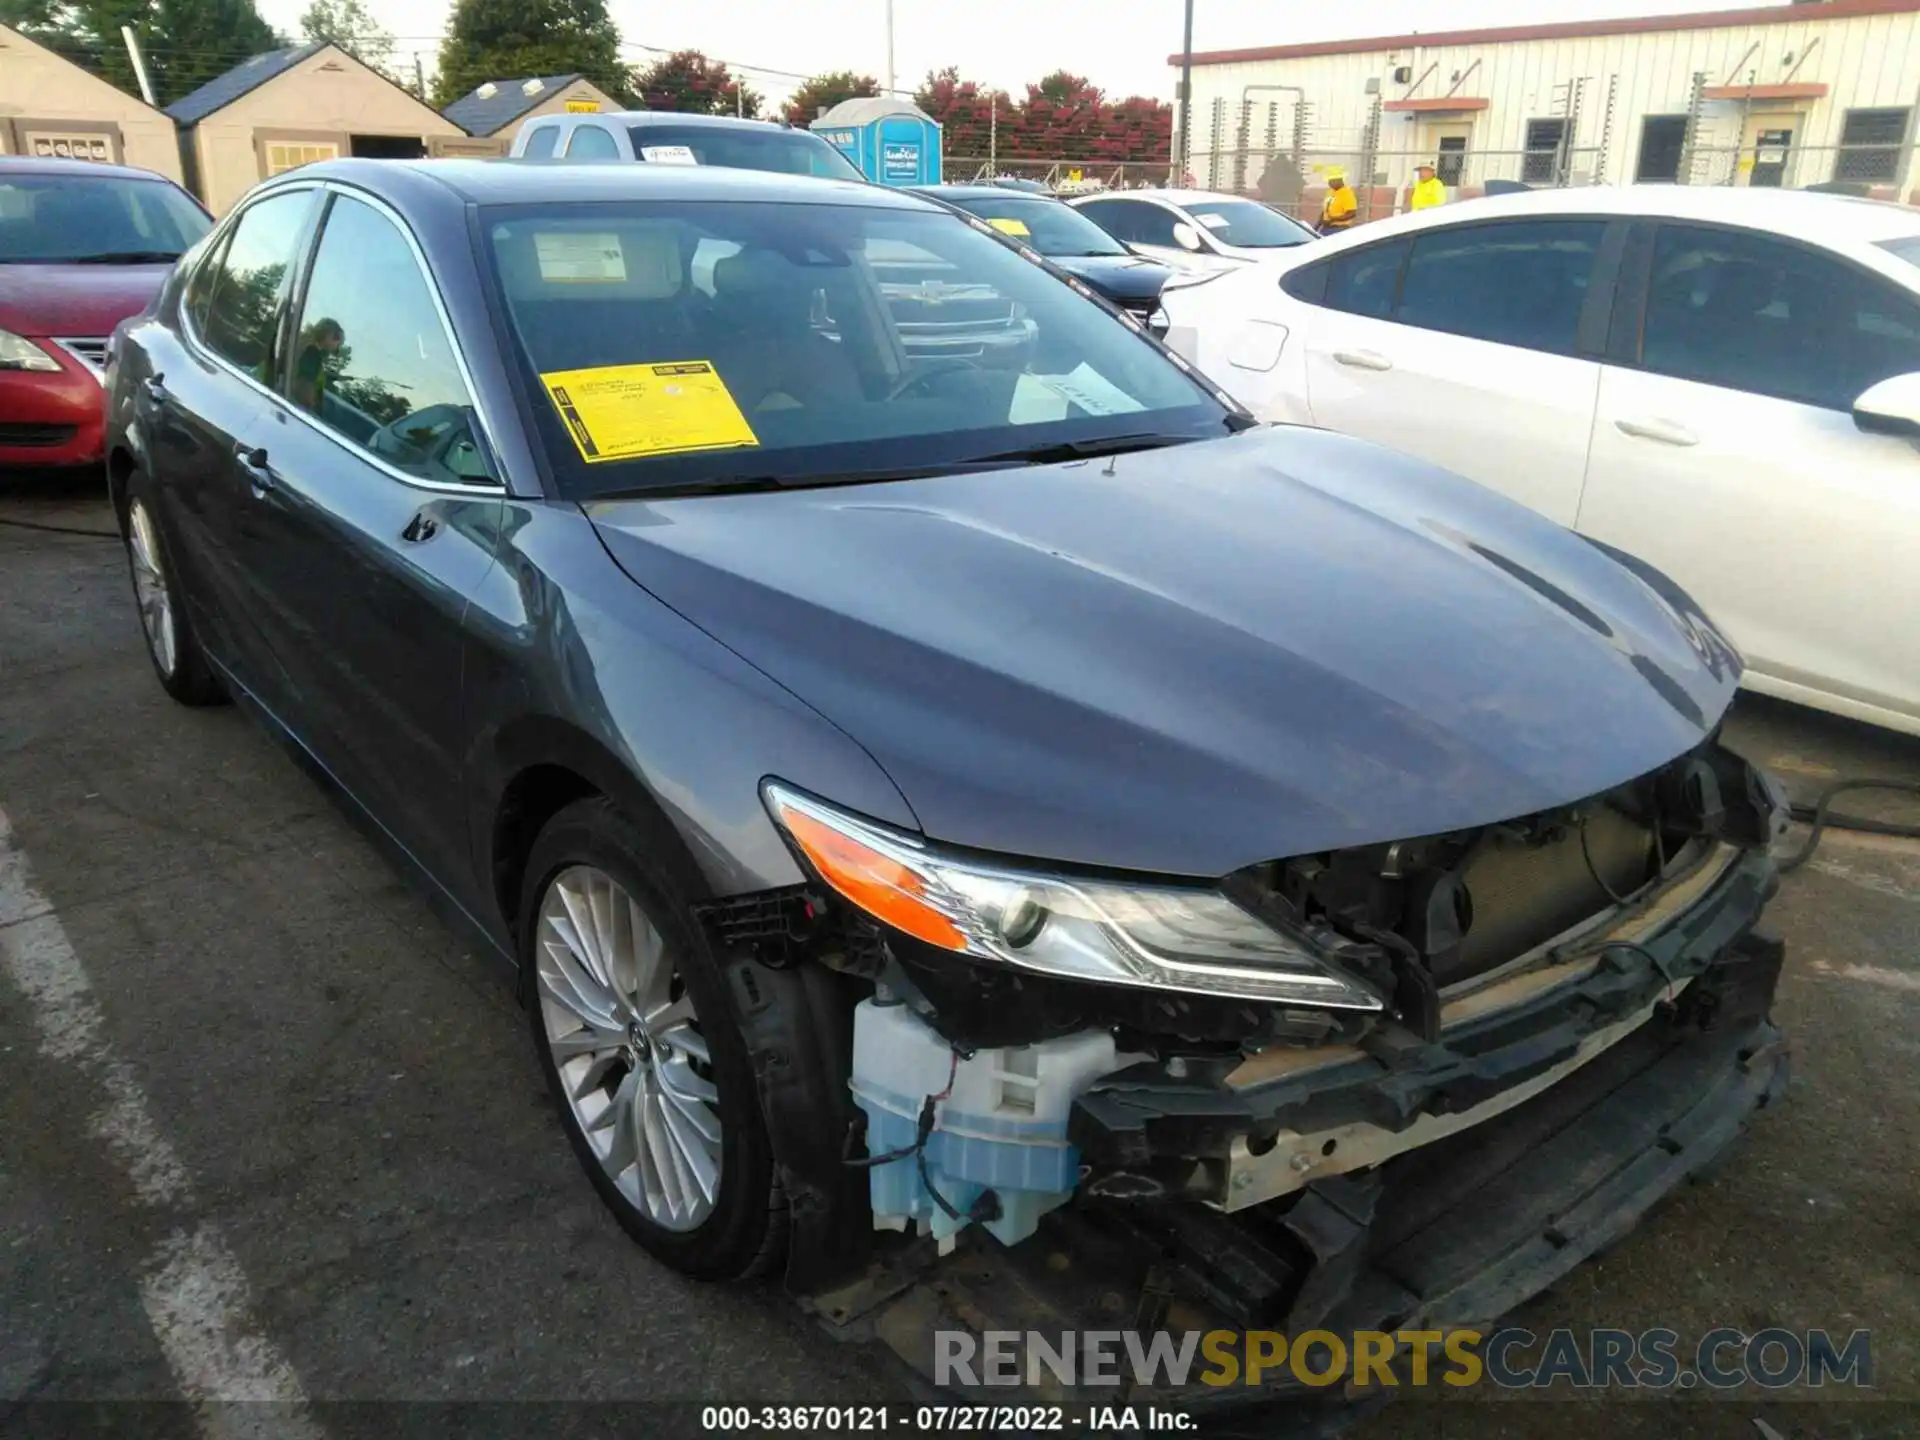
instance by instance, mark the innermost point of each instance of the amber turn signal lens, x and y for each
(878, 884)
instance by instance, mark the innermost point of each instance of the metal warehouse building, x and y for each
(1789, 95)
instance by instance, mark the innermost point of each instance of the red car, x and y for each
(82, 247)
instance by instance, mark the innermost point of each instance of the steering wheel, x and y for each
(926, 371)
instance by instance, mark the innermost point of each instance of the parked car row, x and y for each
(958, 788)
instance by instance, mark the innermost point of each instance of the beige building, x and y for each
(292, 107)
(497, 109)
(50, 106)
(1785, 95)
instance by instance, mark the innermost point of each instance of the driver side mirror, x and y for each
(1186, 237)
(1891, 407)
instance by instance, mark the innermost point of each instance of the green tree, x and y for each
(187, 42)
(690, 83)
(351, 26)
(827, 91)
(509, 39)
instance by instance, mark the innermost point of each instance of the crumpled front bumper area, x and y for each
(1455, 1232)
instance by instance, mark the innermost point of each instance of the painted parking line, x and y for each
(192, 1288)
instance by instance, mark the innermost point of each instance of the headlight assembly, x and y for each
(1172, 937)
(18, 353)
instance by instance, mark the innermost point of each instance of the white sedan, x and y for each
(1196, 231)
(1722, 382)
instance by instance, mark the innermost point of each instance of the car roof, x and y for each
(47, 165)
(981, 192)
(1841, 222)
(1172, 197)
(514, 182)
(674, 118)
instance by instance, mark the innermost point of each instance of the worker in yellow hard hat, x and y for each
(1337, 211)
(1427, 189)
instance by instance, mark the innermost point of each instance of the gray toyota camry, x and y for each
(942, 779)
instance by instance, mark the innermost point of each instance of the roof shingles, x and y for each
(479, 114)
(250, 75)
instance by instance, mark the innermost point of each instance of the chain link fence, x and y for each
(1297, 181)
(1066, 177)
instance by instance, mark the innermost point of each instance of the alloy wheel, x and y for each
(627, 1045)
(150, 588)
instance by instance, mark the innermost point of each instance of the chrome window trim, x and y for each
(205, 351)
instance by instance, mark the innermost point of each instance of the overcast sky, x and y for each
(1121, 45)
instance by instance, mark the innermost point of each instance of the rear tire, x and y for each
(634, 1029)
(172, 645)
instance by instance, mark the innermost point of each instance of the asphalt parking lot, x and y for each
(292, 1142)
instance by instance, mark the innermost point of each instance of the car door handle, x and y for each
(154, 390)
(1664, 432)
(421, 528)
(253, 460)
(1363, 359)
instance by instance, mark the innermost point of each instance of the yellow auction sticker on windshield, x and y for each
(622, 412)
(1011, 227)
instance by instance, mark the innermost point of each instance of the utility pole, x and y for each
(889, 47)
(1186, 99)
(139, 65)
(419, 77)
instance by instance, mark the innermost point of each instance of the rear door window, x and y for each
(240, 321)
(1519, 283)
(592, 142)
(541, 142)
(1365, 281)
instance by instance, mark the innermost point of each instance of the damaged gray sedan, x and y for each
(976, 833)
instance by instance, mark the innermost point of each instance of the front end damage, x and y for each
(1532, 1031)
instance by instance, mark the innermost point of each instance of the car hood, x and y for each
(79, 300)
(1118, 277)
(1191, 659)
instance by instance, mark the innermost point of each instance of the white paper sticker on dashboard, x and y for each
(669, 155)
(574, 257)
(1091, 391)
(1214, 222)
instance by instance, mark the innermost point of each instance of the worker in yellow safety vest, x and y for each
(1337, 210)
(1427, 190)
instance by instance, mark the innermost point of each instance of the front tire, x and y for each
(172, 645)
(634, 1030)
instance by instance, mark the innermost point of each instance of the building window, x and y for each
(1870, 145)
(70, 147)
(1541, 164)
(1663, 140)
(285, 155)
(1453, 158)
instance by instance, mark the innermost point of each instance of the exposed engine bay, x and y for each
(1473, 981)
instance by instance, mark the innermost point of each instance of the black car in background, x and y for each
(1000, 802)
(1067, 238)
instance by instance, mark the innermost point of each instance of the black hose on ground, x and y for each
(1822, 819)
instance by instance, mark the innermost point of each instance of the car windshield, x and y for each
(789, 152)
(1250, 226)
(94, 219)
(1051, 227)
(699, 344)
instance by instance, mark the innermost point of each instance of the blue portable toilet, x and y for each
(893, 141)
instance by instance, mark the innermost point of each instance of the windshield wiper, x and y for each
(122, 257)
(758, 484)
(1063, 450)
